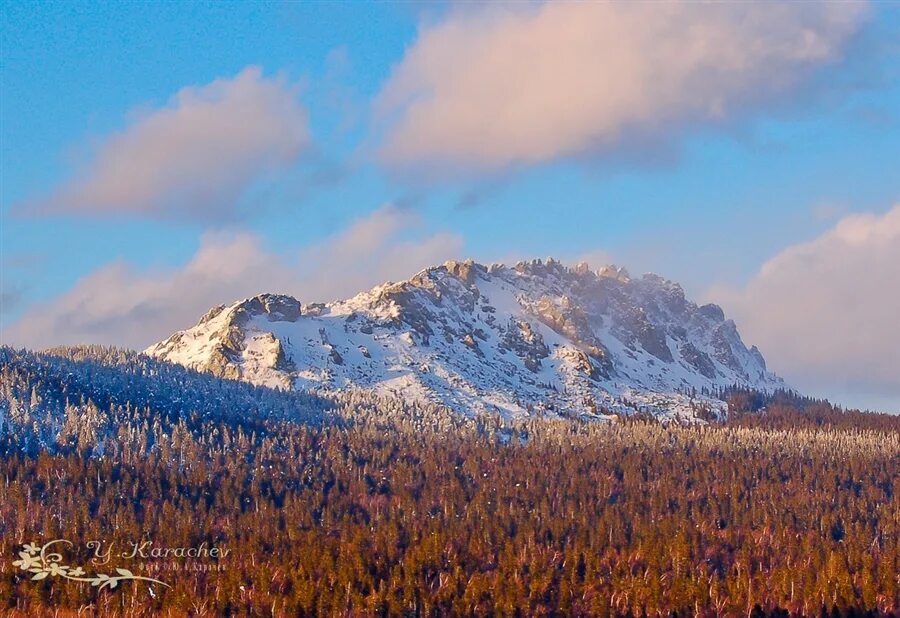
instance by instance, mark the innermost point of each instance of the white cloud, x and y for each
(194, 157)
(826, 313)
(493, 87)
(120, 305)
(387, 245)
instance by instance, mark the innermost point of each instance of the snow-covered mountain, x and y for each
(537, 336)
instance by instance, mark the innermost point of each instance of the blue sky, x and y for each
(707, 203)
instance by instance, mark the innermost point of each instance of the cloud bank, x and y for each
(194, 157)
(496, 87)
(826, 313)
(120, 305)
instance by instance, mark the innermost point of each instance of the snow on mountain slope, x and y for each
(534, 337)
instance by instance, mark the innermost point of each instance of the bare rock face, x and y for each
(469, 341)
(567, 318)
(212, 313)
(582, 363)
(222, 363)
(758, 357)
(698, 360)
(520, 339)
(275, 307)
(535, 336)
(464, 270)
(634, 328)
(281, 308)
(712, 312)
(724, 337)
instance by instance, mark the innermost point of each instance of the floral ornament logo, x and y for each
(44, 564)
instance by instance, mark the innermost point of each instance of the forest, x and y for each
(357, 506)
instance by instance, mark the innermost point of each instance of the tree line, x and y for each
(791, 507)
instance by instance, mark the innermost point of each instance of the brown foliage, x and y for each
(565, 519)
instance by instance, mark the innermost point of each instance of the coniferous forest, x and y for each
(351, 505)
(442, 308)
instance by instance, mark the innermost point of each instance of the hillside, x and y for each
(534, 337)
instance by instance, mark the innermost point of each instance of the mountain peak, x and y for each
(538, 335)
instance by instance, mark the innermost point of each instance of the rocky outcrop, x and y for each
(535, 336)
(698, 360)
(520, 339)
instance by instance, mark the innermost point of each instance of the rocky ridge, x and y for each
(537, 337)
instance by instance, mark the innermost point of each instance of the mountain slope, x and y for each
(536, 336)
(90, 396)
(95, 398)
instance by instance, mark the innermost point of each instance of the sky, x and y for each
(157, 159)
